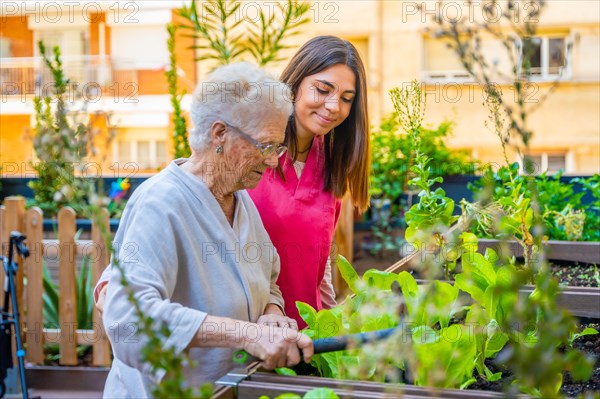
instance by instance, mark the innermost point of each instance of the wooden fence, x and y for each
(13, 216)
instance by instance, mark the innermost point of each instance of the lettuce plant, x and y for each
(445, 332)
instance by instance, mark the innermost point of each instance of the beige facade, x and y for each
(393, 37)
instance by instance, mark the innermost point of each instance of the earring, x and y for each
(219, 149)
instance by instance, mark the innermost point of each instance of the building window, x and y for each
(128, 54)
(546, 58)
(551, 163)
(5, 50)
(124, 152)
(73, 43)
(161, 152)
(440, 62)
(145, 154)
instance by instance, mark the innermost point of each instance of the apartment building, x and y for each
(119, 50)
(115, 54)
(398, 44)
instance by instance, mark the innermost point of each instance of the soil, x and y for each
(589, 344)
(579, 275)
(496, 386)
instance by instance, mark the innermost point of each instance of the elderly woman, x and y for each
(193, 247)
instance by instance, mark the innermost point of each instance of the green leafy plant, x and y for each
(446, 353)
(583, 333)
(221, 29)
(373, 307)
(393, 154)
(317, 393)
(591, 186)
(85, 307)
(421, 336)
(266, 40)
(504, 209)
(483, 279)
(428, 219)
(508, 217)
(60, 144)
(83, 286)
(180, 139)
(443, 339)
(455, 356)
(433, 208)
(214, 24)
(563, 216)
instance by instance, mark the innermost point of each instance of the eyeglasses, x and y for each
(266, 150)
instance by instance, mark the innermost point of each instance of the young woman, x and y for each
(328, 156)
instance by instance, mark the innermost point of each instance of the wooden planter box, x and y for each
(253, 385)
(61, 378)
(580, 301)
(574, 251)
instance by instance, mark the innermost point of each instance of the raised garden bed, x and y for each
(584, 302)
(581, 300)
(252, 385)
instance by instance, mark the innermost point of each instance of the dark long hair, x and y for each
(347, 153)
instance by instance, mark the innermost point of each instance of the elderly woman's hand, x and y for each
(273, 316)
(101, 298)
(279, 347)
(275, 346)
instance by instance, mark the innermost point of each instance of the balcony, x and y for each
(92, 75)
(545, 73)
